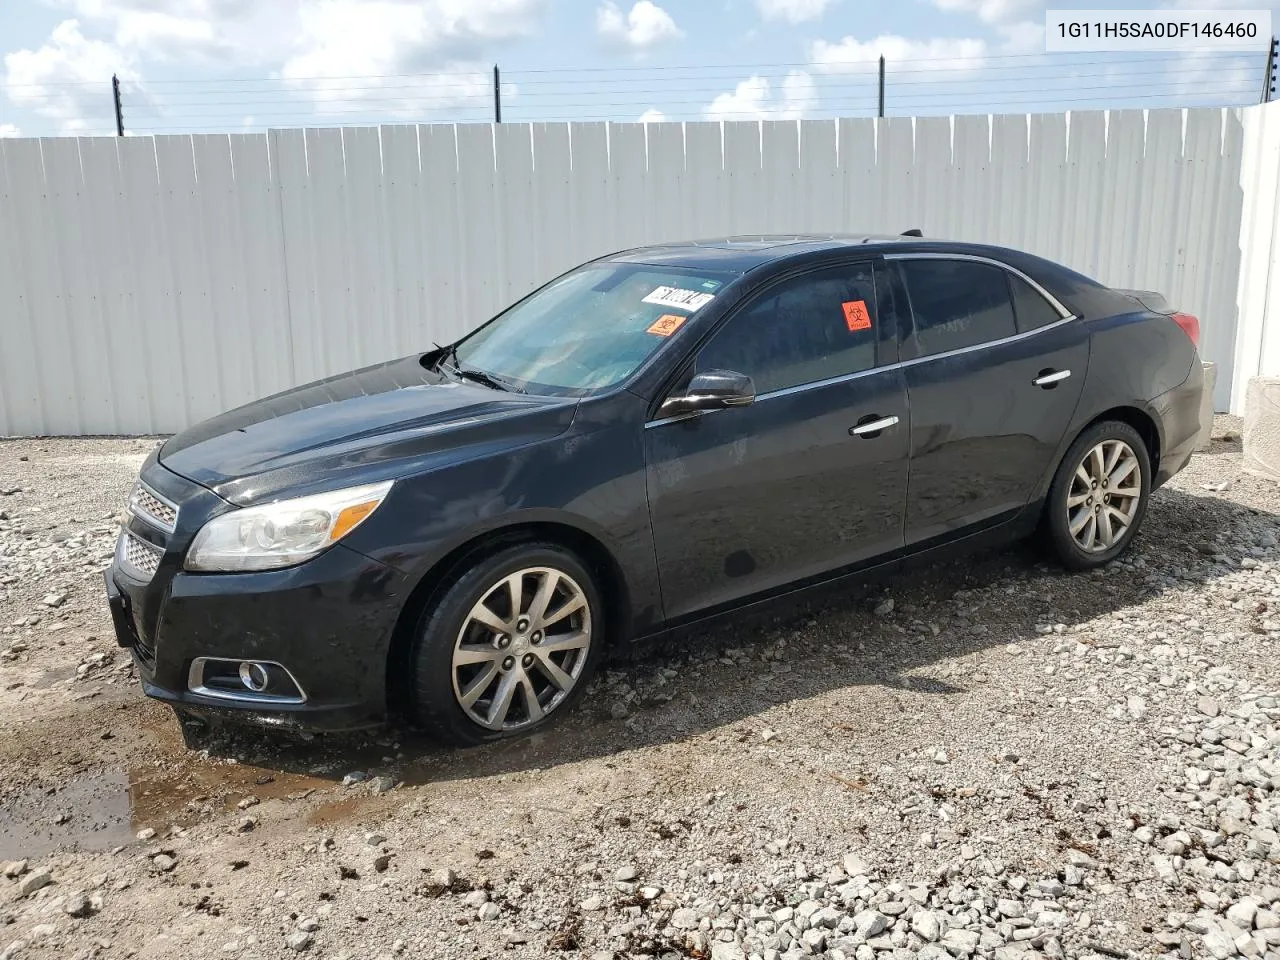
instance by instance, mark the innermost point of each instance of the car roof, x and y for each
(741, 255)
(745, 253)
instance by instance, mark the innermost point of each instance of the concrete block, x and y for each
(1206, 407)
(1262, 427)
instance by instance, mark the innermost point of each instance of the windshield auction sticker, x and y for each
(681, 299)
(667, 324)
(1111, 31)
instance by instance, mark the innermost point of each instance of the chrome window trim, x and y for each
(974, 258)
(148, 518)
(901, 364)
(1067, 317)
(830, 381)
(195, 684)
(987, 345)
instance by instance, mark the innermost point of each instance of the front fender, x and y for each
(590, 481)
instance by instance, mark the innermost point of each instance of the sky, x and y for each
(229, 65)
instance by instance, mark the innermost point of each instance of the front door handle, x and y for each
(872, 428)
(1048, 379)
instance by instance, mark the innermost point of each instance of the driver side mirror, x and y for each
(711, 390)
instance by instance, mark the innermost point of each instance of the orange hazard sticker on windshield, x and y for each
(666, 325)
(856, 316)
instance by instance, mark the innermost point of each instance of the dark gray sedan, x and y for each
(653, 439)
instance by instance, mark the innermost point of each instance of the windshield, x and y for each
(590, 329)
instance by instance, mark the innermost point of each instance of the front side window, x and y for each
(957, 304)
(810, 328)
(590, 329)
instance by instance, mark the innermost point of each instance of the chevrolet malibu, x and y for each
(653, 439)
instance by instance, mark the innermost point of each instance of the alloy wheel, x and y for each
(521, 648)
(1104, 496)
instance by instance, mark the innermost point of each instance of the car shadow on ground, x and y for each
(942, 614)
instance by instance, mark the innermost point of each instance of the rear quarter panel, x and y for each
(1137, 359)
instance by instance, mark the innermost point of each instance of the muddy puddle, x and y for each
(104, 810)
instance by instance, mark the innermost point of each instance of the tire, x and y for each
(1067, 529)
(506, 653)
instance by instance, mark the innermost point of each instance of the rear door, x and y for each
(808, 478)
(994, 370)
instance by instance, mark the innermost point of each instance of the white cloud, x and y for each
(68, 80)
(992, 11)
(851, 54)
(746, 102)
(753, 99)
(364, 37)
(235, 30)
(9, 130)
(793, 11)
(257, 32)
(438, 42)
(652, 115)
(799, 91)
(645, 26)
(1026, 36)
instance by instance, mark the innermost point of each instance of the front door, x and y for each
(748, 499)
(994, 373)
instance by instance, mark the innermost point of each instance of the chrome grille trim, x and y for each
(149, 506)
(138, 557)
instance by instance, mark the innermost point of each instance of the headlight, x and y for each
(284, 533)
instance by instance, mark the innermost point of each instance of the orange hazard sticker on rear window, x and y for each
(856, 316)
(666, 325)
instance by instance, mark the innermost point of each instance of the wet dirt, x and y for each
(92, 813)
(104, 810)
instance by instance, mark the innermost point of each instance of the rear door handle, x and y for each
(872, 427)
(1049, 378)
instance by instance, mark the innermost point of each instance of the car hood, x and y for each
(373, 424)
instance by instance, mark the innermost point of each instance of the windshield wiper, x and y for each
(479, 376)
(492, 380)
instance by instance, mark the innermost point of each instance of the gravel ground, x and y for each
(1006, 761)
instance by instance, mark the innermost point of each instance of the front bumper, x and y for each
(328, 621)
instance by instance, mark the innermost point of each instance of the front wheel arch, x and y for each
(590, 551)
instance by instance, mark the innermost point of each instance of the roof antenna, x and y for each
(913, 232)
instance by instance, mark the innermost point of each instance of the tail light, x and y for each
(1190, 326)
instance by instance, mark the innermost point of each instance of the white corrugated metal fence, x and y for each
(149, 282)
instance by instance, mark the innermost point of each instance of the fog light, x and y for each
(254, 676)
(248, 681)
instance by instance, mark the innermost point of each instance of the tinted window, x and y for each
(957, 303)
(1033, 310)
(811, 328)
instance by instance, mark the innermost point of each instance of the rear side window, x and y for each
(810, 328)
(957, 304)
(1033, 310)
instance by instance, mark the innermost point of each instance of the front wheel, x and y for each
(1099, 496)
(512, 642)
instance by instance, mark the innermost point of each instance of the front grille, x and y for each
(148, 505)
(138, 556)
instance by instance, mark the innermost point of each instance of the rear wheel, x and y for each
(513, 642)
(1099, 496)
